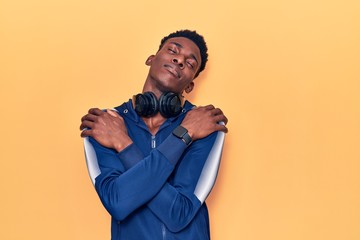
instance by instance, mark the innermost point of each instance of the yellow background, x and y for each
(286, 73)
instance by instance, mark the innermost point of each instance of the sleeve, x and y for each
(178, 202)
(122, 191)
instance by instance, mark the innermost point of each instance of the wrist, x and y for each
(191, 133)
(122, 145)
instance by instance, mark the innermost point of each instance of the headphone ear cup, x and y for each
(146, 104)
(170, 104)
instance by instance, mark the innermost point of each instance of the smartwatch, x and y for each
(183, 134)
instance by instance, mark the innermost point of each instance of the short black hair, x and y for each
(197, 39)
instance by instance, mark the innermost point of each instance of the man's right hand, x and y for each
(108, 128)
(202, 121)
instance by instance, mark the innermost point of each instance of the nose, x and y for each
(179, 62)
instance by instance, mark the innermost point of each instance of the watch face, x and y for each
(179, 131)
(182, 133)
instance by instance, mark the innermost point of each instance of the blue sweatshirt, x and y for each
(156, 187)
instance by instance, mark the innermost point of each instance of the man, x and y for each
(152, 149)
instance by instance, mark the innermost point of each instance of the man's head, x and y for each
(179, 60)
(197, 39)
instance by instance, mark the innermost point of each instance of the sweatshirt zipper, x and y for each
(163, 228)
(153, 142)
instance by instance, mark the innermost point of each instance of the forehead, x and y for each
(185, 44)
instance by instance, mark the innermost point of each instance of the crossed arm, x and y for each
(125, 187)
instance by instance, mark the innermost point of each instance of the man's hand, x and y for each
(202, 121)
(108, 128)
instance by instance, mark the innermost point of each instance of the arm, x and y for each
(117, 188)
(121, 191)
(179, 201)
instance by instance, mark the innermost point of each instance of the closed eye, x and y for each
(190, 65)
(172, 51)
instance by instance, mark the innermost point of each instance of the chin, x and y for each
(167, 86)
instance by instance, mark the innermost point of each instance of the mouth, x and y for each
(173, 70)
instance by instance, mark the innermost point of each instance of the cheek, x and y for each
(156, 65)
(189, 74)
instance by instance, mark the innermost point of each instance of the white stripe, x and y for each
(210, 170)
(91, 160)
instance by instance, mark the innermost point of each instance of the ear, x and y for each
(189, 87)
(149, 60)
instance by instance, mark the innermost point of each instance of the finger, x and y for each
(222, 128)
(89, 117)
(209, 107)
(225, 120)
(95, 111)
(86, 124)
(216, 111)
(86, 133)
(221, 118)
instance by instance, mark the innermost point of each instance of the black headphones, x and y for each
(147, 105)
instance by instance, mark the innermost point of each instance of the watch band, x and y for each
(183, 134)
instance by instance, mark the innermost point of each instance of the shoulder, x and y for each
(188, 105)
(126, 110)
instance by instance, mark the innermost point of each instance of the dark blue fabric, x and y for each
(149, 191)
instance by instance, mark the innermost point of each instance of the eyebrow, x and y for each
(181, 46)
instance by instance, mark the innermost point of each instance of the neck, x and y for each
(157, 92)
(151, 85)
(153, 123)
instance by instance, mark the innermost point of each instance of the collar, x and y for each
(127, 110)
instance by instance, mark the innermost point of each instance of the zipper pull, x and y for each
(153, 142)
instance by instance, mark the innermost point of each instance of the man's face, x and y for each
(174, 66)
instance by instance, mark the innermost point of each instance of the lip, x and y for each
(173, 70)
